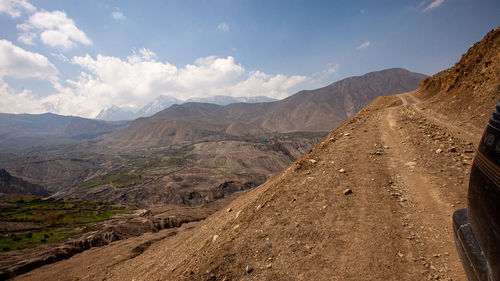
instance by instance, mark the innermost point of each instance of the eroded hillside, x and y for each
(372, 201)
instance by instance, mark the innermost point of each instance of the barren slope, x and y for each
(407, 166)
(299, 225)
(326, 108)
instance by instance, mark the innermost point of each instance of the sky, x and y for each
(78, 57)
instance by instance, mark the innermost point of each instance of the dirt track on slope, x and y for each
(466, 131)
(407, 171)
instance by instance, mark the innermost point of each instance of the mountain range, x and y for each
(316, 110)
(116, 113)
(18, 131)
(176, 121)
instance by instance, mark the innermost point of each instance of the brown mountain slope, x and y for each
(470, 86)
(407, 168)
(326, 108)
(317, 110)
(300, 225)
(187, 123)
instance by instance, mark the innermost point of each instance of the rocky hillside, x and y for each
(372, 201)
(11, 184)
(470, 86)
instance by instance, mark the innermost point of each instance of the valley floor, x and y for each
(407, 168)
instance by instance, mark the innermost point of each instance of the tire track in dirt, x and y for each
(375, 239)
(468, 133)
(424, 207)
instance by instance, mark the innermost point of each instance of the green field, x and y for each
(58, 212)
(58, 216)
(118, 179)
(155, 162)
(30, 239)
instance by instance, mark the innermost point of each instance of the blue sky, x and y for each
(78, 57)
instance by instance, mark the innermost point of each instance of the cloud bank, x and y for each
(18, 63)
(131, 82)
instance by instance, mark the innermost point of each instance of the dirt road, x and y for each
(465, 131)
(407, 173)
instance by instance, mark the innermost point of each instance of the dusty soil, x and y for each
(407, 172)
(97, 234)
(371, 201)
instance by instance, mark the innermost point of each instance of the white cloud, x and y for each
(324, 77)
(14, 8)
(331, 69)
(144, 54)
(19, 63)
(224, 26)
(139, 79)
(60, 57)
(56, 30)
(434, 4)
(363, 45)
(133, 82)
(22, 102)
(118, 15)
(27, 38)
(259, 83)
(209, 72)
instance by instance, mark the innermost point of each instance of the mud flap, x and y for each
(473, 260)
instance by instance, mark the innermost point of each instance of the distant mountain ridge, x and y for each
(156, 105)
(18, 131)
(316, 110)
(116, 113)
(326, 108)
